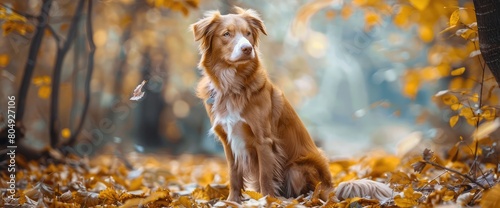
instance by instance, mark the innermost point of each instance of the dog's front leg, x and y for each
(235, 174)
(267, 162)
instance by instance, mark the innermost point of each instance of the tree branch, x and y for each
(55, 35)
(456, 172)
(88, 78)
(56, 76)
(32, 56)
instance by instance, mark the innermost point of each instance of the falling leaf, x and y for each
(138, 93)
(458, 71)
(454, 120)
(420, 4)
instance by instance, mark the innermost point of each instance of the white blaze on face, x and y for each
(237, 54)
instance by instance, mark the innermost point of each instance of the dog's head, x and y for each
(232, 37)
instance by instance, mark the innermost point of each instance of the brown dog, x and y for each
(266, 144)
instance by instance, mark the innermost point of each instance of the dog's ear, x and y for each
(204, 28)
(253, 18)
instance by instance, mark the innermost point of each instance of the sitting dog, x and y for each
(267, 146)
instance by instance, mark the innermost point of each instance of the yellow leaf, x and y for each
(488, 113)
(44, 92)
(449, 99)
(454, 18)
(253, 194)
(420, 4)
(458, 71)
(490, 197)
(66, 133)
(467, 113)
(454, 120)
(456, 106)
(4, 60)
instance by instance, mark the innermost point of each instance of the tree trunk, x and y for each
(488, 24)
(43, 20)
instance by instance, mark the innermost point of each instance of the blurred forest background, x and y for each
(362, 74)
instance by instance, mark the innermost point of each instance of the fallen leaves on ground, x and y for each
(201, 181)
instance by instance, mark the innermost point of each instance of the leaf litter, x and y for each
(380, 180)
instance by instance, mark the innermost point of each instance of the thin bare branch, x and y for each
(88, 78)
(56, 76)
(456, 172)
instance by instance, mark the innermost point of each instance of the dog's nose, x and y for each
(246, 49)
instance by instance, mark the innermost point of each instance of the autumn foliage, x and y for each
(461, 171)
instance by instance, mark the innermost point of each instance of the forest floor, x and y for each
(201, 181)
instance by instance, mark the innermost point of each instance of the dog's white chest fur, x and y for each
(229, 117)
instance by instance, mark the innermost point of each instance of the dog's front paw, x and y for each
(234, 197)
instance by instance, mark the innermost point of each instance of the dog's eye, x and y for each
(226, 34)
(249, 33)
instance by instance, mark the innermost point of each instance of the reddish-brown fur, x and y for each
(267, 146)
